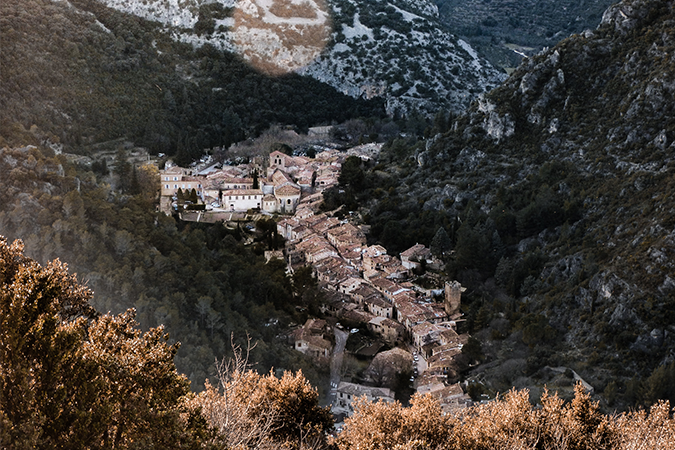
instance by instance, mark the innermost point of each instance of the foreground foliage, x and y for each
(508, 423)
(197, 280)
(71, 378)
(249, 410)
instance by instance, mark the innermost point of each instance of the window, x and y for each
(175, 178)
(167, 186)
(175, 186)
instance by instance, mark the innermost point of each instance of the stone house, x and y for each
(390, 330)
(310, 339)
(286, 163)
(348, 392)
(450, 397)
(333, 303)
(409, 313)
(378, 306)
(441, 363)
(321, 224)
(351, 284)
(363, 292)
(215, 184)
(241, 200)
(424, 333)
(315, 248)
(174, 178)
(415, 256)
(388, 288)
(346, 234)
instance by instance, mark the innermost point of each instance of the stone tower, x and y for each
(453, 298)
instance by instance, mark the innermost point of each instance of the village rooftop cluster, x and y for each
(363, 284)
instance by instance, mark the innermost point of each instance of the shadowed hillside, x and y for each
(555, 190)
(83, 73)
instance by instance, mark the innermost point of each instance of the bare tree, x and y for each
(232, 410)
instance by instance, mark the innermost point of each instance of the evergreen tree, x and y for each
(72, 379)
(441, 243)
(256, 183)
(193, 196)
(134, 185)
(123, 170)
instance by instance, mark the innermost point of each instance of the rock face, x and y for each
(397, 50)
(494, 26)
(589, 123)
(400, 47)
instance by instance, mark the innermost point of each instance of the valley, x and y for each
(359, 203)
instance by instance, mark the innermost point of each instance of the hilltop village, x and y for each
(399, 300)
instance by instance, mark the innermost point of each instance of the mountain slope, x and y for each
(502, 30)
(556, 188)
(84, 73)
(396, 49)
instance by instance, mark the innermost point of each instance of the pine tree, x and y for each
(440, 244)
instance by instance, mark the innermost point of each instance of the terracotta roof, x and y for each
(385, 285)
(415, 250)
(443, 359)
(279, 177)
(375, 250)
(377, 301)
(366, 290)
(324, 224)
(287, 190)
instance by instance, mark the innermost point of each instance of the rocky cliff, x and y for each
(560, 180)
(397, 50)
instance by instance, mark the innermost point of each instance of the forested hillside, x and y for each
(502, 30)
(199, 281)
(555, 189)
(83, 73)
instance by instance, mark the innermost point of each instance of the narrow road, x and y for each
(336, 360)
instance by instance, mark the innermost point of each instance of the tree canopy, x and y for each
(70, 377)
